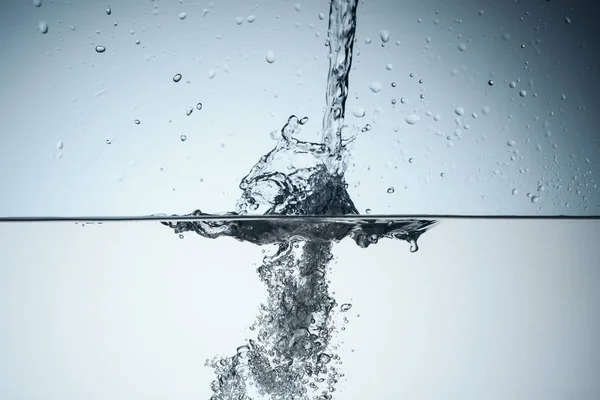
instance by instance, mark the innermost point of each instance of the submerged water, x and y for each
(487, 308)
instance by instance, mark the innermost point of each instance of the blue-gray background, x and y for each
(503, 150)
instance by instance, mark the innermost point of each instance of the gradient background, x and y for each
(484, 310)
(56, 87)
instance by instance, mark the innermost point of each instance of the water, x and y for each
(295, 205)
(487, 308)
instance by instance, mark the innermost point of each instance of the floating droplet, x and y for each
(459, 111)
(180, 236)
(523, 93)
(199, 106)
(412, 119)
(303, 120)
(182, 16)
(177, 78)
(100, 49)
(183, 138)
(239, 20)
(270, 57)
(414, 247)
(345, 307)
(43, 27)
(375, 87)
(390, 190)
(402, 100)
(462, 47)
(251, 18)
(137, 41)
(563, 97)
(358, 112)
(385, 36)
(410, 160)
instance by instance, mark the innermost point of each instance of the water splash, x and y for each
(291, 357)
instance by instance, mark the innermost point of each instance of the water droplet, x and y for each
(183, 138)
(182, 16)
(513, 84)
(345, 307)
(511, 143)
(390, 190)
(515, 192)
(136, 121)
(108, 141)
(385, 36)
(368, 211)
(414, 247)
(563, 97)
(321, 16)
(297, 7)
(567, 20)
(459, 111)
(199, 106)
(393, 102)
(180, 236)
(523, 93)
(100, 49)
(137, 41)
(270, 57)
(324, 358)
(303, 120)
(37, 3)
(393, 84)
(108, 11)
(535, 199)
(212, 73)
(177, 78)
(358, 112)
(389, 67)
(251, 18)
(189, 111)
(412, 119)
(59, 145)
(462, 47)
(410, 160)
(43, 27)
(491, 82)
(375, 87)
(368, 40)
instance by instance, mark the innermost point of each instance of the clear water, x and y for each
(487, 308)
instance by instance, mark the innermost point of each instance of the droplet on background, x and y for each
(511, 143)
(37, 3)
(390, 190)
(251, 18)
(108, 11)
(43, 27)
(321, 16)
(375, 87)
(182, 16)
(385, 36)
(189, 111)
(100, 49)
(176, 78)
(462, 47)
(59, 145)
(270, 57)
(358, 112)
(345, 307)
(459, 111)
(183, 138)
(212, 73)
(412, 119)
(199, 106)
(513, 84)
(523, 93)
(491, 82)
(136, 121)
(389, 67)
(239, 20)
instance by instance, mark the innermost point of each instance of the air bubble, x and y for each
(43, 27)
(199, 106)
(345, 307)
(375, 87)
(385, 36)
(183, 138)
(100, 49)
(270, 57)
(177, 78)
(390, 190)
(491, 82)
(136, 121)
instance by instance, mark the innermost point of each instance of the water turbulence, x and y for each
(291, 357)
